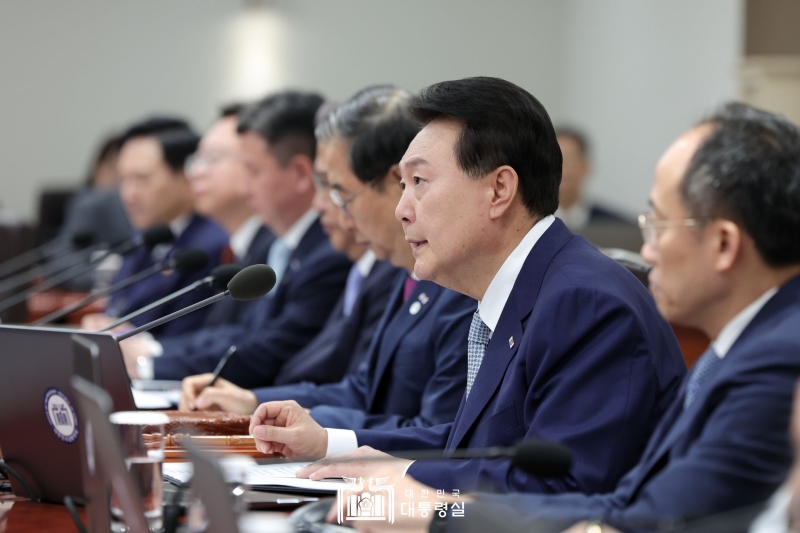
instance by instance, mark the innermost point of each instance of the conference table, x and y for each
(18, 515)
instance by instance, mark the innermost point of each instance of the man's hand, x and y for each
(363, 462)
(132, 350)
(287, 429)
(223, 396)
(95, 321)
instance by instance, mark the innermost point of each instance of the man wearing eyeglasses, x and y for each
(218, 181)
(723, 241)
(278, 150)
(414, 372)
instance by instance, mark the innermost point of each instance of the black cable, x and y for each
(9, 471)
(172, 511)
(73, 512)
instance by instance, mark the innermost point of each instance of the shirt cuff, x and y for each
(341, 441)
(407, 467)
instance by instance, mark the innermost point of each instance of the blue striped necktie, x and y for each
(477, 341)
(701, 372)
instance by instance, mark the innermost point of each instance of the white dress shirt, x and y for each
(490, 307)
(292, 238)
(365, 263)
(298, 230)
(730, 333)
(243, 237)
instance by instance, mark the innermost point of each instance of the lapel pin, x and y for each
(511, 342)
(415, 307)
(423, 298)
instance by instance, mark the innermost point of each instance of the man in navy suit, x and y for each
(278, 149)
(155, 190)
(343, 343)
(219, 185)
(415, 370)
(566, 344)
(722, 239)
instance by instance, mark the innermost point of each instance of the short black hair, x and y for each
(503, 124)
(177, 139)
(576, 135)
(748, 170)
(379, 126)
(232, 109)
(285, 120)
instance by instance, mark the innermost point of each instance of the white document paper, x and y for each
(145, 399)
(277, 475)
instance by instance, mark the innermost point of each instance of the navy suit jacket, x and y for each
(344, 341)
(274, 329)
(414, 375)
(580, 356)
(229, 311)
(200, 233)
(729, 449)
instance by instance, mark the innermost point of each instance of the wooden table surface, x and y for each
(24, 517)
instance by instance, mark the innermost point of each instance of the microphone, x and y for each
(82, 242)
(156, 235)
(184, 261)
(46, 251)
(252, 282)
(219, 279)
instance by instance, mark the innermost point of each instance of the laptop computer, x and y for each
(40, 430)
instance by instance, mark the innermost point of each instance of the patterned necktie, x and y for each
(477, 341)
(351, 289)
(703, 369)
(278, 259)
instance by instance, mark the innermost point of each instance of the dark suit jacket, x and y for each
(274, 329)
(229, 311)
(200, 233)
(599, 214)
(99, 213)
(580, 356)
(343, 342)
(416, 371)
(729, 449)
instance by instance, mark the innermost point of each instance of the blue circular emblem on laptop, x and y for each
(61, 415)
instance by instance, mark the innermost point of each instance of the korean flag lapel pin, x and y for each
(416, 306)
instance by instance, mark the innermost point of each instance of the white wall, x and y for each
(633, 73)
(637, 74)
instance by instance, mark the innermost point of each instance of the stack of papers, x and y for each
(277, 477)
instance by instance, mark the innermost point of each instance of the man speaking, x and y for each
(566, 344)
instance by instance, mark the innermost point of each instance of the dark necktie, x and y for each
(701, 372)
(477, 341)
(351, 289)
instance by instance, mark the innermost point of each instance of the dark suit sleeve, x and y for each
(443, 390)
(590, 385)
(348, 393)
(270, 341)
(712, 476)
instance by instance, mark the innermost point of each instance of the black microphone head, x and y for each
(189, 260)
(158, 234)
(223, 275)
(540, 458)
(252, 282)
(82, 239)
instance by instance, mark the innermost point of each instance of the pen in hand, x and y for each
(218, 370)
